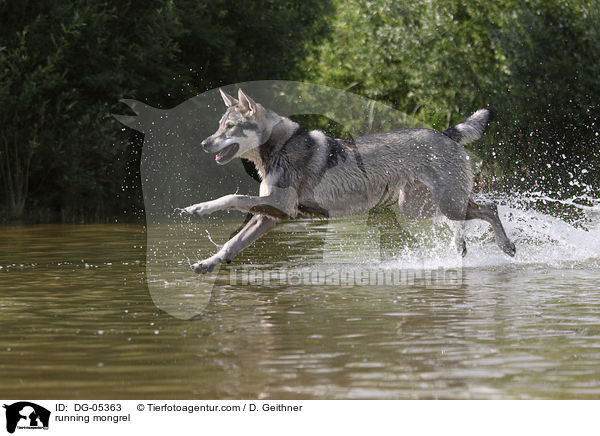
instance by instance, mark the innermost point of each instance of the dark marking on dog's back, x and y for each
(336, 153)
(453, 133)
(277, 165)
(272, 147)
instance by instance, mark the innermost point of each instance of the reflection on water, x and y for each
(77, 321)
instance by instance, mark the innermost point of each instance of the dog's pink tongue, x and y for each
(220, 154)
(231, 149)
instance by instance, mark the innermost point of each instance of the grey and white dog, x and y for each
(310, 173)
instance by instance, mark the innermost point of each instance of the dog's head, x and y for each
(243, 127)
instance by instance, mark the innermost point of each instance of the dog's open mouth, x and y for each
(227, 153)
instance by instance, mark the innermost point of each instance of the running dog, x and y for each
(312, 174)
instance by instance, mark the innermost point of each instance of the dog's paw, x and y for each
(461, 248)
(199, 209)
(206, 265)
(509, 248)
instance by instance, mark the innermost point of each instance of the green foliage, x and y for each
(535, 62)
(64, 66)
(62, 73)
(551, 53)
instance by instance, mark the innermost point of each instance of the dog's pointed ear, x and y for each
(227, 99)
(246, 102)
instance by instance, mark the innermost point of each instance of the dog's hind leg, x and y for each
(416, 201)
(254, 229)
(466, 209)
(489, 212)
(459, 238)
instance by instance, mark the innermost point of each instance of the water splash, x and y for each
(548, 231)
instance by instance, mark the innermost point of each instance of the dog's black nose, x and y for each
(205, 144)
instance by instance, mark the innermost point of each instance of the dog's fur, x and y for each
(310, 173)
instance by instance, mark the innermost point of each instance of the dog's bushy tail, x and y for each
(472, 128)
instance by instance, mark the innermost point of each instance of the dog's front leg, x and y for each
(206, 207)
(254, 229)
(274, 205)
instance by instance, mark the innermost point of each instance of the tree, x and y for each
(535, 62)
(64, 66)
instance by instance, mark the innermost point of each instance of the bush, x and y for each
(65, 65)
(535, 62)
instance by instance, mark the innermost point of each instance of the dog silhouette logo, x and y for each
(26, 415)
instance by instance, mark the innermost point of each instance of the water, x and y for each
(78, 321)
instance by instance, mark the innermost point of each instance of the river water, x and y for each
(79, 320)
